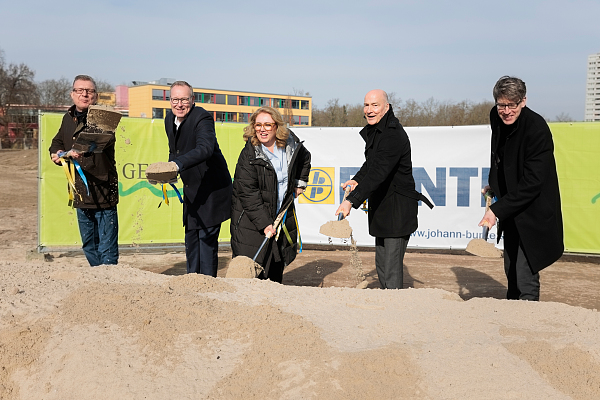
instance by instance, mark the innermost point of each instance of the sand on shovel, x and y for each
(481, 248)
(340, 228)
(104, 117)
(243, 267)
(337, 229)
(161, 172)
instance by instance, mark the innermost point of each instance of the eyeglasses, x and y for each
(511, 106)
(80, 91)
(268, 126)
(184, 100)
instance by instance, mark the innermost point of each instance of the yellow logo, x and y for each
(320, 187)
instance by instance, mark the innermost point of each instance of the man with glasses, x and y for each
(193, 148)
(96, 208)
(523, 178)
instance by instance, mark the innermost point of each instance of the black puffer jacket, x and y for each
(254, 203)
(100, 168)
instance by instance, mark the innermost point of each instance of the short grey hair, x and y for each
(84, 78)
(511, 88)
(183, 83)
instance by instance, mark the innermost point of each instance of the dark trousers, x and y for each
(201, 248)
(389, 261)
(273, 270)
(99, 230)
(523, 284)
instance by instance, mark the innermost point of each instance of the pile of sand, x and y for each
(243, 267)
(117, 332)
(68, 331)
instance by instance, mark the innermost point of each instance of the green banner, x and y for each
(140, 142)
(577, 152)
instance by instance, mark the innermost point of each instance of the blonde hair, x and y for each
(281, 135)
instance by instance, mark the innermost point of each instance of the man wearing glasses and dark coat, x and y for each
(207, 185)
(96, 208)
(523, 178)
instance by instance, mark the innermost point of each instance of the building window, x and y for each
(204, 98)
(304, 104)
(220, 98)
(243, 100)
(225, 116)
(159, 94)
(244, 117)
(296, 120)
(232, 100)
(158, 113)
(265, 101)
(303, 120)
(296, 104)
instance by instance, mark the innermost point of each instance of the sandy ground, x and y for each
(145, 330)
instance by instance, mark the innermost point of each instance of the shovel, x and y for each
(340, 228)
(275, 224)
(481, 247)
(244, 267)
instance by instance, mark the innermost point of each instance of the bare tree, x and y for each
(300, 92)
(410, 113)
(563, 117)
(479, 113)
(17, 88)
(288, 114)
(55, 92)
(103, 86)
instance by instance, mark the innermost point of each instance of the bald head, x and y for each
(376, 106)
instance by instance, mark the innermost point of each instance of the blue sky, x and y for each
(451, 51)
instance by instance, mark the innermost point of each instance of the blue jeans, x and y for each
(99, 229)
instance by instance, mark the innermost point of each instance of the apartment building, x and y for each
(151, 100)
(592, 90)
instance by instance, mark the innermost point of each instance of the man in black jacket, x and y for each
(386, 180)
(523, 178)
(207, 186)
(96, 209)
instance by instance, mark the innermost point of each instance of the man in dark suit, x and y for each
(523, 177)
(207, 187)
(386, 180)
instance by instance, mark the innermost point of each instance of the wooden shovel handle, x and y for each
(488, 203)
(346, 192)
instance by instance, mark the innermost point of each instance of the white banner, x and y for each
(450, 166)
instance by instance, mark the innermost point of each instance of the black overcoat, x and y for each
(254, 204)
(202, 168)
(386, 179)
(532, 197)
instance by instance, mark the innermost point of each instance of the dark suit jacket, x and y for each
(532, 198)
(386, 180)
(202, 167)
